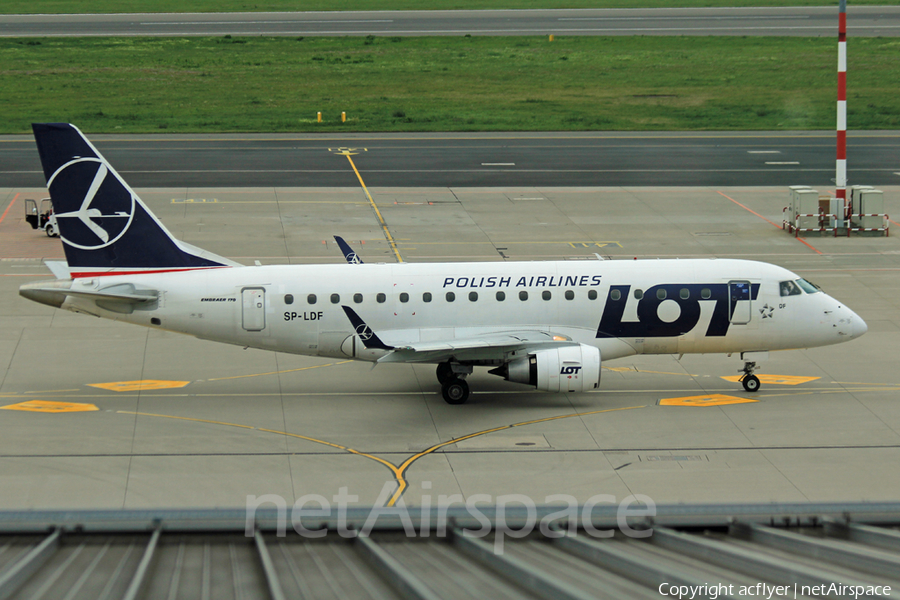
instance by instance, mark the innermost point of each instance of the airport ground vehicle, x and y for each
(41, 217)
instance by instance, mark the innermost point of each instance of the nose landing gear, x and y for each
(748, 379)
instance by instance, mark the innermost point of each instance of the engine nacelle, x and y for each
(566, 369)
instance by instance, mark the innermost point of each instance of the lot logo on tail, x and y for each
(84, 225)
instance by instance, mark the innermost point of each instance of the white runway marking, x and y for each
(265, 22)
(671, 18)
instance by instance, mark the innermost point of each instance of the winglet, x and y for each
(59, 268)
(351, 256)
(369, 339)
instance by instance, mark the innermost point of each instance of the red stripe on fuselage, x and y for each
(110, 273)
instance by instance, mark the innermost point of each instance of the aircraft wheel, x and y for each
(751, 383)
(444, 372)
(50, 231)
(455, 391)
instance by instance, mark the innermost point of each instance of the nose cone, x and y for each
(857, 326)
(849, 324)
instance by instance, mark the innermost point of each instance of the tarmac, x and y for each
(864, 21)
(99, 414)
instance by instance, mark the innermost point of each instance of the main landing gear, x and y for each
(452, 377)
(748, 379)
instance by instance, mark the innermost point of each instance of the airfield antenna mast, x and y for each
(841, 164)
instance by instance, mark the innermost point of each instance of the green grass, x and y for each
(158, 6)
(444, 84)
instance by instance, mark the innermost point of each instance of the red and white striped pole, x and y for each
(840, 180)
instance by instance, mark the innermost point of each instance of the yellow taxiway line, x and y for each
(384, 227)
(344, 362)
(399, 471)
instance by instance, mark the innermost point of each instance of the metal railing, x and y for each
(828, 223)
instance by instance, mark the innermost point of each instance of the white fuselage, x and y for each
(688, 306)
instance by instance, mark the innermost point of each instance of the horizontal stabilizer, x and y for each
(121, 294)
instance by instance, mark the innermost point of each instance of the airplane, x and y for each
(544, 324)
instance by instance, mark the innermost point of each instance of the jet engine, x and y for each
(566, 369)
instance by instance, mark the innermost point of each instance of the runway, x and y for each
(863, 21)
(104, 415)
(471, 159)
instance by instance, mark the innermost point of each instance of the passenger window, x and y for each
(426, 297)
(684, 294)
(501, 296)
(705, 294)
(404, 297)
(614, 295)
(357, 298)
(570, 295)
(335, 298)
(380, 298)
(638, 294)
(789, 288)
(523, 295)
(473, 296)
(311, 299)
(450, 296)
(592, 294)
(546, 295)
(661, 294)
(288, 298)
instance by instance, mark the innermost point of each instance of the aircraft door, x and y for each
(739, 302)
(253, 313)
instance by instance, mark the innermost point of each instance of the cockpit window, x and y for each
(809, 288)
(789, 288)
(793, 288)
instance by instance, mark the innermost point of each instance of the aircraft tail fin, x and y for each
(105, 227)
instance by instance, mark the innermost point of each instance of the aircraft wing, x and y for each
(488, 346)
(492, 345)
